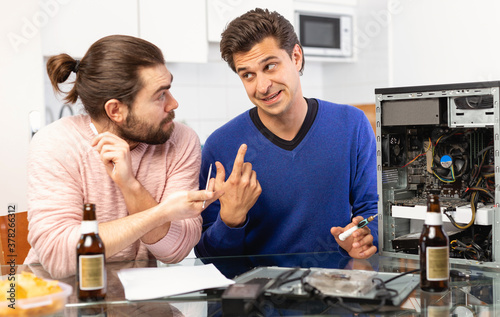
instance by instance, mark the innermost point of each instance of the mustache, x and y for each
(170, 117)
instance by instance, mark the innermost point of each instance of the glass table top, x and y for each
(476, 295)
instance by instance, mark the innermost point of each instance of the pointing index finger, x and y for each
(240, 159)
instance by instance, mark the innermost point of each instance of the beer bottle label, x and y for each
(89, 227)
(437, 263)
(438, 311)
(433, 219)
(91, 272)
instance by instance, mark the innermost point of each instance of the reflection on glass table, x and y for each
(475, 294)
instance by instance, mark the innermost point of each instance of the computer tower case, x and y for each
(445, 140)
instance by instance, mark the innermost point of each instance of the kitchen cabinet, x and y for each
(72, 26)
(178, 29)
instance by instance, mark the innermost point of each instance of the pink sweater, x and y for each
(64, 172)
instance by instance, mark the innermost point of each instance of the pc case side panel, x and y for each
(496, 213)
(383, 221)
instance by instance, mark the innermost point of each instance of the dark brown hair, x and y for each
(251, 28)
(109, 70)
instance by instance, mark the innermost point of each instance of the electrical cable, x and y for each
(421, 154)
(469, 251)
(477, 190)
(283, 278)
(402, 274)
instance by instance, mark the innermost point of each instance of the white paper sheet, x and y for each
(149, 283)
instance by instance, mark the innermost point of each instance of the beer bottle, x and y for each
(90, 259)
(434, 250)
(436, 304)
(93, 311)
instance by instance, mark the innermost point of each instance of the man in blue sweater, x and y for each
(302, 170)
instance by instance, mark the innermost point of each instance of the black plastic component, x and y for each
(240, 299)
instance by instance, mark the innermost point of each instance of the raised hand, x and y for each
(115, 154)
(241, 189)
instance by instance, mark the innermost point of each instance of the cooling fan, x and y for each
(448, 157)
(394, 149)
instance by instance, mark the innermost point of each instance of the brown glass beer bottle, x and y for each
(90, 259)
(434, 250)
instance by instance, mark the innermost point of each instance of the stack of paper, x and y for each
(149, 283)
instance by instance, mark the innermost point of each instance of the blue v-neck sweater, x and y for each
(323, 182)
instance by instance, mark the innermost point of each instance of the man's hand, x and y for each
(115, 154)
(241, 189)
(187, 204)
(360, 244)
(120, 233)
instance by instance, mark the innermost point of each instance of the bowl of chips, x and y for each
(25, 294)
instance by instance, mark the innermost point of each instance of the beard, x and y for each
(138, 130)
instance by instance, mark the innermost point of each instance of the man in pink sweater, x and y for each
(126, 156)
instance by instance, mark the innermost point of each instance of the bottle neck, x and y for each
(89, 212)
(433, 219)
(89, 226)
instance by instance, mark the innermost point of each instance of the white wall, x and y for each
(354, 83)
(446, 41)
(21, 91)
(417, 42)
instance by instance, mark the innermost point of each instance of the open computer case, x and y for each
(445, 140)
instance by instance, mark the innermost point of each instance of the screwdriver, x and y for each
(361, 224)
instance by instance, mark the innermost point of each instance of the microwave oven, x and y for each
(325, 35)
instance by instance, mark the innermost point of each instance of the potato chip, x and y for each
(27, 285)
(27, 289)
